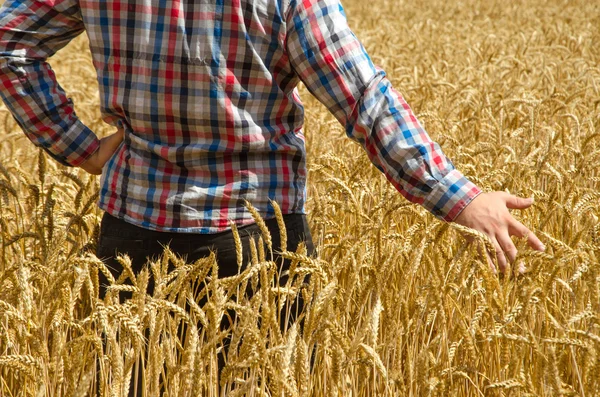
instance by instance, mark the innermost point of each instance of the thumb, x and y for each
(109, 145)
(518, 203)
(114, 140)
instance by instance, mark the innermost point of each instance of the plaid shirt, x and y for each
(206, 93)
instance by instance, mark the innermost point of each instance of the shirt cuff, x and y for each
(451, 196)
(75, 146)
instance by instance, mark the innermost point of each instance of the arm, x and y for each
(335, 67)
(30, 32)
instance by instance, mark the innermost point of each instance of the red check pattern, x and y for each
(206, 93)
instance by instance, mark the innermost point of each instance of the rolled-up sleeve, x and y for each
(31, 32)
(337, 70)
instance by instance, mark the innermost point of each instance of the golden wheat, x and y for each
(398, 304)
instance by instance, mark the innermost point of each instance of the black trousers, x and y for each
(120, 237)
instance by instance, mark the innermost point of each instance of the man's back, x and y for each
(206, 94)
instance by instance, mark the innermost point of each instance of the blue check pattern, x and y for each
(206, 92)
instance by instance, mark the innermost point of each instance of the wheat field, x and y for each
(398, 303)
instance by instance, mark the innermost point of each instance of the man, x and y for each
(203, 95)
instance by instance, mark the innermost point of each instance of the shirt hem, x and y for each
(188, 230)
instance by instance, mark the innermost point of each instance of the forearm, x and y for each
(400, 147)
(46, 115)
(335, 67)
(30, 32)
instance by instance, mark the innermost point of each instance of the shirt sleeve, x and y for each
(337, 70)
(30, 32)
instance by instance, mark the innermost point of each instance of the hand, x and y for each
(108, 146)
(488, 213)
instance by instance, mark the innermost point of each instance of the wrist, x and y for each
(450, 196)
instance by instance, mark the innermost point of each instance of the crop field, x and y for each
(398, 303)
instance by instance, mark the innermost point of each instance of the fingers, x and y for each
(519, 230)
(489, 214)
(518, 203)
(535, 243)
(508, 251)
(507, 246)
(108, 146)
(488, 256)
(502, 264)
